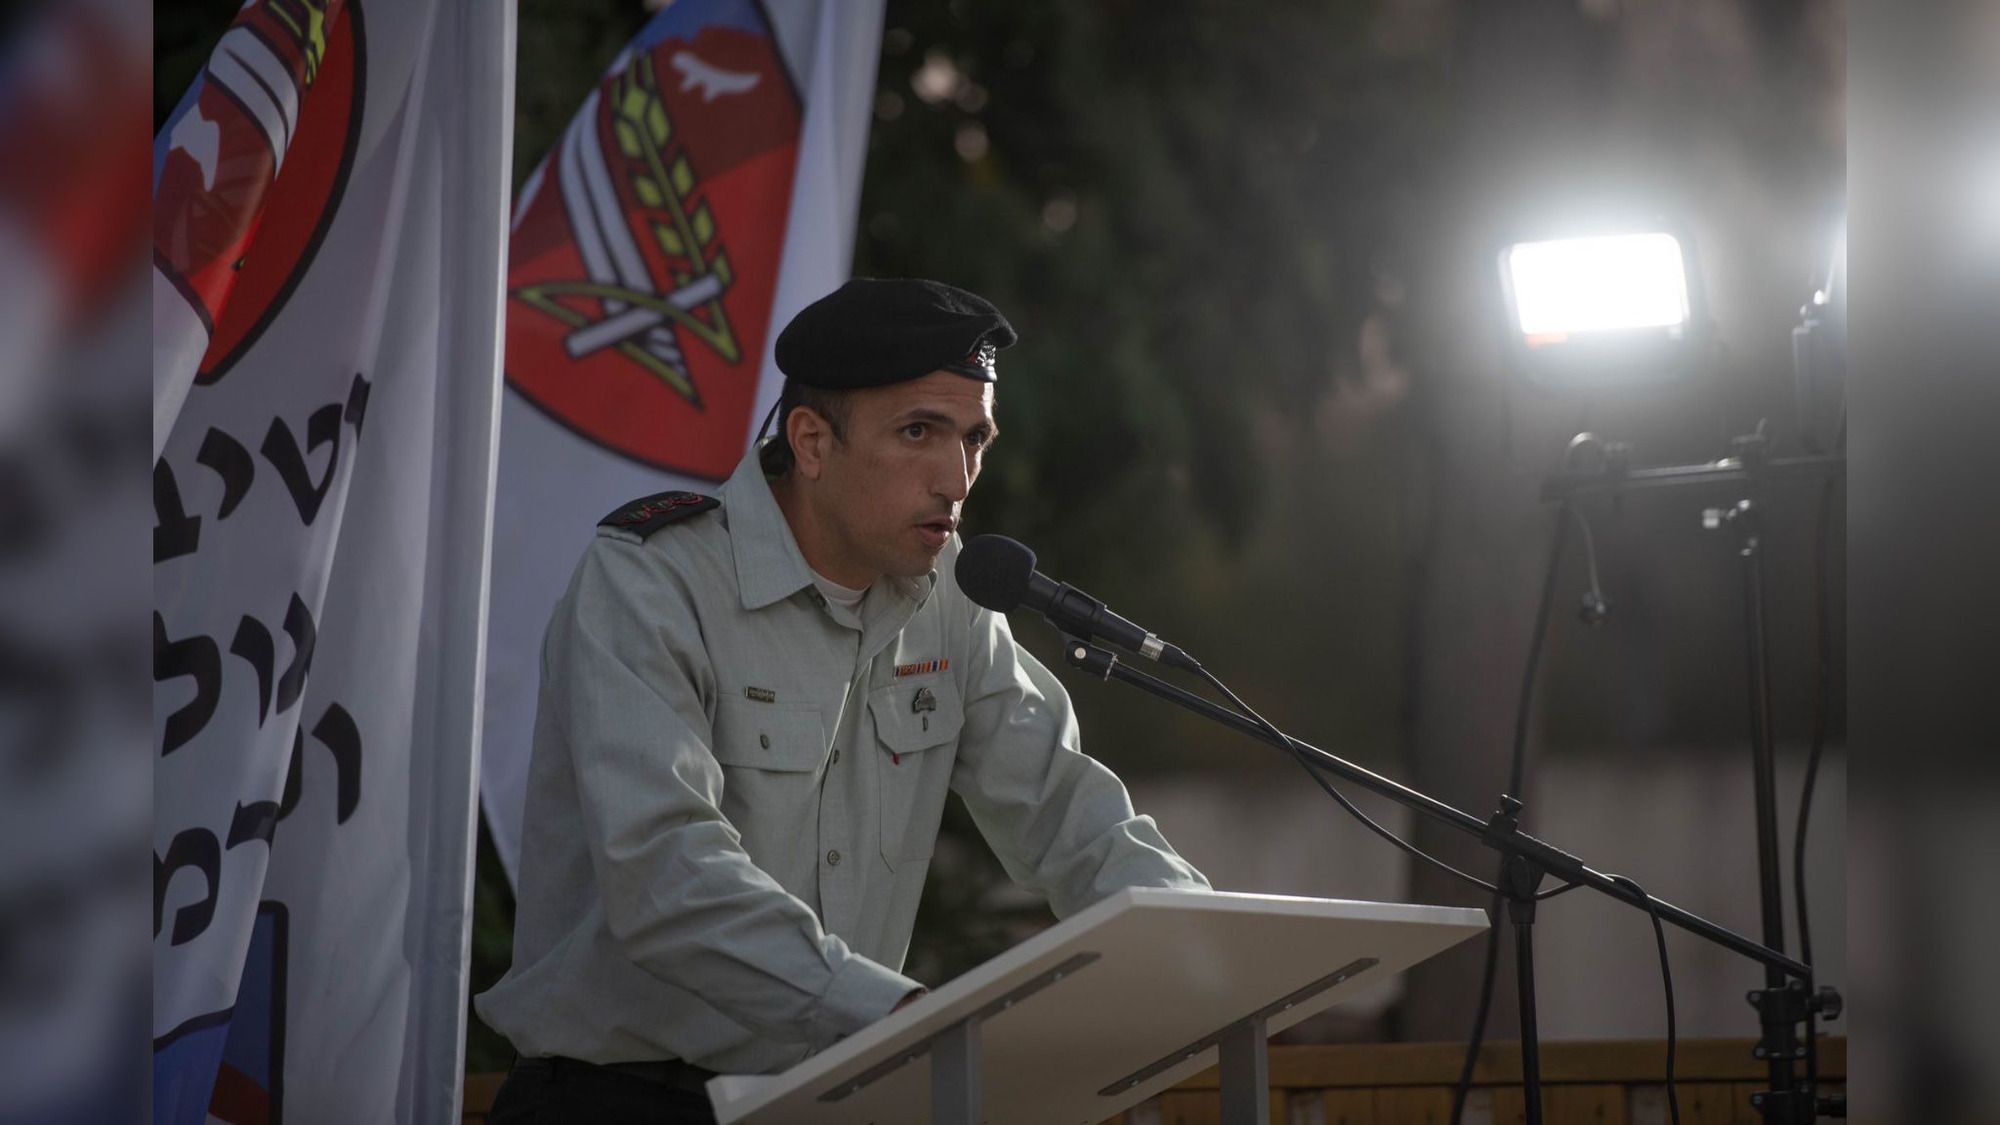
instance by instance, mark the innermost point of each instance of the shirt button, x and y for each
(836, 757)
(764, 740)
(833, 859)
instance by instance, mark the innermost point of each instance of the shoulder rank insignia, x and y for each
(644, 517)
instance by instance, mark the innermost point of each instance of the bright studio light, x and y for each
(1610, 283)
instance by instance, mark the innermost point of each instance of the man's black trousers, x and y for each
(561, 1091)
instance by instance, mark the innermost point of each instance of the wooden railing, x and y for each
(1602, 1082)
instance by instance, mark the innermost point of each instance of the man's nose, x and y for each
(955, 476)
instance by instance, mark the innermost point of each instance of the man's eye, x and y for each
(915, 431)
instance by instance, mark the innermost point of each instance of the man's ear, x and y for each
(810, 436)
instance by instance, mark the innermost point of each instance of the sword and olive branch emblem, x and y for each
(642, 317)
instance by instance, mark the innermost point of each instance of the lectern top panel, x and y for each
(1100, 1011)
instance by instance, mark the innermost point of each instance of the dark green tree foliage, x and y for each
(1183, 206)
(564, 48)
(1190, 211)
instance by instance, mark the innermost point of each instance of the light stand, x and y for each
(1781, 1004)
(1525, 859)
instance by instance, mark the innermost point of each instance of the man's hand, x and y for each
(907, 1000)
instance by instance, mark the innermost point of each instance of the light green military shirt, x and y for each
(736, 787)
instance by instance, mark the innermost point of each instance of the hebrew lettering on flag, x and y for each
(330, 203)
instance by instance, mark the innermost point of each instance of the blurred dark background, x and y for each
(1260, 404)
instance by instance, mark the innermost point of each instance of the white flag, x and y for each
(704, 193)
(330, 215)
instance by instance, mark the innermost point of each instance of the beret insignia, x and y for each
(645, 516)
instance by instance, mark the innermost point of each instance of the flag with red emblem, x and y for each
(329, 225)
(704, 192)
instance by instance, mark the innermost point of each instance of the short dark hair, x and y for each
(777, 456)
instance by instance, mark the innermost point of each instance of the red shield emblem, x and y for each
(255, 165)
(645, 253)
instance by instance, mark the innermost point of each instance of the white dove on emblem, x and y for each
(201, 139)
(712, 79)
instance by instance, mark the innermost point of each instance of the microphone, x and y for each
(999, 573)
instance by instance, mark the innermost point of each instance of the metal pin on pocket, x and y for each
(921, 702)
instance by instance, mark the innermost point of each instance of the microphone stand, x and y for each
(1525, 860)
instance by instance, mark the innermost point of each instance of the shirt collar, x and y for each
(769, 565)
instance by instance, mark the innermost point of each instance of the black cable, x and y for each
(1822, 692)
(1313, 768)
(1303, 760)
(1516, 773)
(1464, 1088)
(1524, 706)
(1667, 978)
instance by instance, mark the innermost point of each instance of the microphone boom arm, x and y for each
(1500, 832)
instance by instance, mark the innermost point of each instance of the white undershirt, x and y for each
(845, 597)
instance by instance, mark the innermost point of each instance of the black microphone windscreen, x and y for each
(994, 570)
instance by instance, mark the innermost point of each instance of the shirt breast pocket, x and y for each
(771, 755)
(917, 725)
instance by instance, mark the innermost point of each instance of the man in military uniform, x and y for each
(752, 708)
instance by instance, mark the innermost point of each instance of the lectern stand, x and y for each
(1103, 1011)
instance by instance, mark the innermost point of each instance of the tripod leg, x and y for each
(1524, 976)
(1519, 880)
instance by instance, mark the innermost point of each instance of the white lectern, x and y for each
(1104, 1010)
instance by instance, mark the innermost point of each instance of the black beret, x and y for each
(872, 332)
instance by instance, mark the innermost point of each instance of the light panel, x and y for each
(1606, 283)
